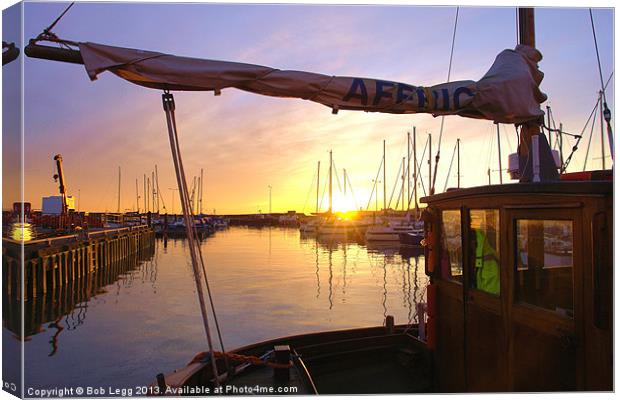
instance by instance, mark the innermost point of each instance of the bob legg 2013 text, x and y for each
(81, 392)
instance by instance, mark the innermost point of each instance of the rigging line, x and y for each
(337, 177)
(438, 155)
(395, 184)
(168, 101)
(598, 58)
(194, 232)
(374, 186)
(445, 187)
(585, 160)
(308, 195)
(585, 126)
(507, 138)
(324, 188)
(415, 180)
(353, 193)
(49, 28)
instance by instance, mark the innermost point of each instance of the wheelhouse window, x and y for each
(484, 268)
(544, 264)
(451, 246)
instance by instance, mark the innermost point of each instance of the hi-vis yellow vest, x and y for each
(487, 265)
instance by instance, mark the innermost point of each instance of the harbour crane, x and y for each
(60, 178)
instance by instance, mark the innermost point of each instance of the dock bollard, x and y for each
(161, 384)
(389, 324)
(283, 356)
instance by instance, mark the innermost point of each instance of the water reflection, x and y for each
(66, 307)
(125, 328)
(384, 258)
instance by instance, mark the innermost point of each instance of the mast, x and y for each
(548, 171)
(269, 199)
(408, 168)
(118, 206)
(153, 192)
(201, 186)
(430, 163)
(330, 181)
(148, 192)
(137, 198)
(158, 191)
(402, 190)
(499, 154)
(384, 180)
(144, 187)
(602, 129)
(458, 163)
(415, 173)
(318, 179)
(344, 178)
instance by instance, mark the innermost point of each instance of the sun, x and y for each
(340, 203)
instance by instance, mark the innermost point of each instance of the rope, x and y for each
(598, 58)
(575, 147)
(437, 156)
(337, 177)
(585, 160)
(445, 186)
(201, 357)
(47, 32)
(374, 185)
(419, 168)
(308, 195)
(195, 251)
(606, 112)
(394, 187)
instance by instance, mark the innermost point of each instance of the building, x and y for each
(52, 205)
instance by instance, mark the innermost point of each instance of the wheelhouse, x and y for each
(521, 287)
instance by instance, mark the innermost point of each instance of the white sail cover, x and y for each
(508, 93)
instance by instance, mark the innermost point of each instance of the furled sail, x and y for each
(508, 93)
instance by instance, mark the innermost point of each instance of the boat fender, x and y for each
(430, 250)
(431, 308)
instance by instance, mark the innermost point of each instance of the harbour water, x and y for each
(267, 283)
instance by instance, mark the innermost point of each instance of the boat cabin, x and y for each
(521, 287)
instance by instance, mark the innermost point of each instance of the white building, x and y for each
(52, 205)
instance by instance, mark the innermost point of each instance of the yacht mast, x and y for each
(415, 173)
(384, 184)
(408, 169)
(330, 181)
(402, 190)
(202, 182)
(458, 163)
(318, 179)
(430, 163)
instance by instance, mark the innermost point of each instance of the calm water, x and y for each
(267, 283)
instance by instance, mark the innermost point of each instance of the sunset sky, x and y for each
(246, 142)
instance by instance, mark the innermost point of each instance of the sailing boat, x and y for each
(550, 329)
(309, 226)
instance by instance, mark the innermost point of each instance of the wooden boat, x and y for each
(384, 359)
(547, 326)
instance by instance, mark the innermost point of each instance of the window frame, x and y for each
(452, 278)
